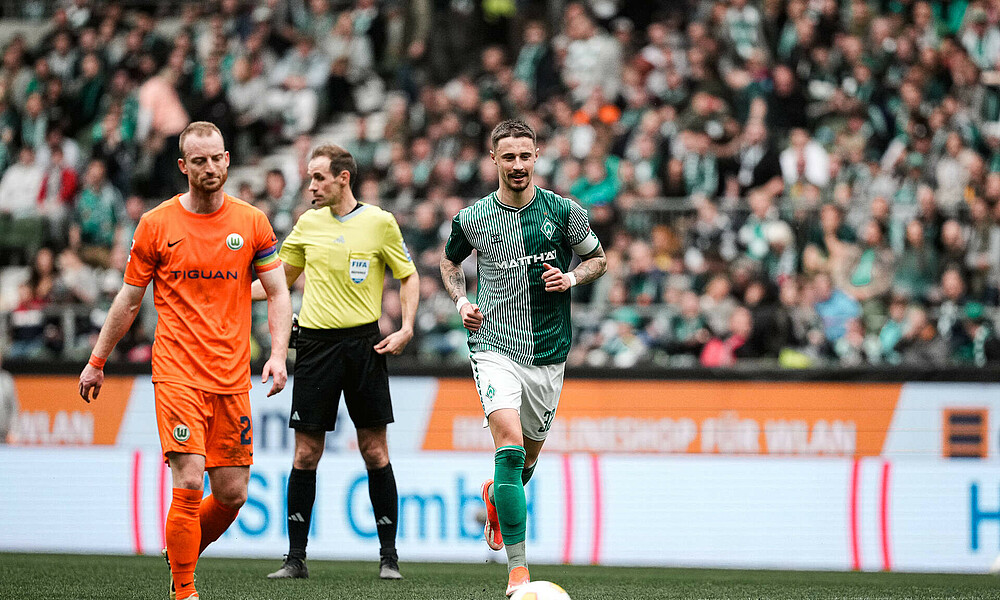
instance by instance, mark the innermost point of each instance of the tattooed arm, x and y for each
(453, 278)
(593, 266)
(454, 283)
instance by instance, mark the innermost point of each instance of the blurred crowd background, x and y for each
(793, 183)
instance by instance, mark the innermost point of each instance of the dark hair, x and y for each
(199, 128)
(340, 160)
(514, 128)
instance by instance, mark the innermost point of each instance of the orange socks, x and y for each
(183, 536)
(215, 519)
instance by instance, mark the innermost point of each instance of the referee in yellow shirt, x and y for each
(343, 246)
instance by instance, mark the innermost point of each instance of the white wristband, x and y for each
(462, 302)
(572, 279)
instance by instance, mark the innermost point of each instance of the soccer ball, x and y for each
(540, 590)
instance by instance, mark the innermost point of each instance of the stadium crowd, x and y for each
(787, 182)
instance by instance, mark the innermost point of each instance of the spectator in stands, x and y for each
(598, 185)
(921, 346)
(96, 225)
(295, 83)
(644, 278)
(864, 271)
(700, 167)
(57, 193)
(688, 332)
(20, 186)
(786, 105)
(722, 351)
(982, 258)
(951, 309)
(161, 119)
(33, 332)
(981, 39)
(423, 233)
(245, 93)
(917, 266)
(536, 63)
(953, 247)
(982, 345)
(213, 105)
(710, 236)
(593, 59)
(752, 234)
(717, 304)
(804, 162)
(756, 163)
(834, 307)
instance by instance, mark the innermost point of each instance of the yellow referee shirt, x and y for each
(344, 260)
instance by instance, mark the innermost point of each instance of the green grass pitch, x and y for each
(73, 577)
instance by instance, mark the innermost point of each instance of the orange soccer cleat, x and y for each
(494, 539)
(517, 578)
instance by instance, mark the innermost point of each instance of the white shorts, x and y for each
(532, 391)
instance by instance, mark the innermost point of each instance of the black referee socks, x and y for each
(385, 503)
(301, 495)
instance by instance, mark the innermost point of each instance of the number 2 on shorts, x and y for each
(246, 438)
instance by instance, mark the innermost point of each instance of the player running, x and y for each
(200, 249)
(520, 326)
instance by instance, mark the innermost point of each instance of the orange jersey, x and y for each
(201, 269)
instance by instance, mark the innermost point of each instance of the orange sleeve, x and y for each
(142, 256)
(265, 245)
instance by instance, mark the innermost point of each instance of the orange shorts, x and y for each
(217, 426)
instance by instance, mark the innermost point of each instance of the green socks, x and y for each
(508, 492)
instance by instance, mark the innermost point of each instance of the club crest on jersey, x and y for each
(359, 269)
(548, 228)
(182, 433)
(234, 241)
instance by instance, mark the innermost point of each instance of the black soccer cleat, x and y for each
(292, 568)
(388, 567)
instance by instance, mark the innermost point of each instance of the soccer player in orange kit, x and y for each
(201, 248)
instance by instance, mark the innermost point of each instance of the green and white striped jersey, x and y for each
(520, 319)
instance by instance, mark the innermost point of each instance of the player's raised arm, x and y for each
(120, 317)
(279, 322)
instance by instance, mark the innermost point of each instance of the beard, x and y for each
(212, 185)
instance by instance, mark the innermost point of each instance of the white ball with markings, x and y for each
(540, 590)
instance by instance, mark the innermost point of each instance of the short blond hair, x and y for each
(199, 128)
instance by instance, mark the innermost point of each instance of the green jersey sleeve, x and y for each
(458, 247)
(579, 233)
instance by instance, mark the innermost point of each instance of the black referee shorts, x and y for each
(331, 361)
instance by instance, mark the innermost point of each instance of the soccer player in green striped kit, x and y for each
(520, 329)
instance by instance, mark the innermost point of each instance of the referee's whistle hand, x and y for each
(278, 369)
